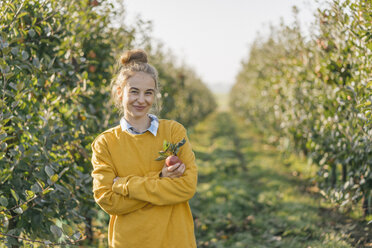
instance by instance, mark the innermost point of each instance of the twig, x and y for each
(45, 242)
(17, 13)
(3, 96)
(81, 150)
(6, 8)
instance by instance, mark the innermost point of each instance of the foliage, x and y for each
(170, 149)
(313, 95)
(56, 61)
(260, 201)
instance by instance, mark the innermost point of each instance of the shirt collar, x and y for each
(125, 126)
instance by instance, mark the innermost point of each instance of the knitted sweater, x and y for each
(145, 210)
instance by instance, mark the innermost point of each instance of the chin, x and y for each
(139, 114)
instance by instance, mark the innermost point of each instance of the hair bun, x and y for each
(134, 56)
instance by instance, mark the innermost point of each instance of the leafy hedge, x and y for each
(56, 62)
(312, 94)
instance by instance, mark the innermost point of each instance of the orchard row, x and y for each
(57, 59)
(312, 94)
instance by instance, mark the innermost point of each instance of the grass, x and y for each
(249, 196)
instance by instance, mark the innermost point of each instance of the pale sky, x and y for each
(213, 36)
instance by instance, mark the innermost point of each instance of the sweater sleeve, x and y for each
(103, 175)
(163, 191)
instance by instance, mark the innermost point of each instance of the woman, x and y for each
(146, 200)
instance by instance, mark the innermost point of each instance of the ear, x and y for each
(119, 92)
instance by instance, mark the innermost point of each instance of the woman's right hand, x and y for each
(173, 171)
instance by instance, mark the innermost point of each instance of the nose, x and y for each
(141, 98)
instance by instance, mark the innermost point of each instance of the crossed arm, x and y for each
(131, 193)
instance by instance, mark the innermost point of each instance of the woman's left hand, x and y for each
(173, 171)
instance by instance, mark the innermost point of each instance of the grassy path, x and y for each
(247, 197)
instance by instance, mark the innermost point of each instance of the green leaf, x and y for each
(3, 201)
(56, 231)
(47, 191)
(14, 194)
(4, 222)
(32, 33)
(172, 148)
(67, 230)
(63, 171)
(24, 55)
(20, 86)
(77, 236)
(36, 188)
(49, 171)
(36, 62)
(18, 210)
(14, 51)
(166, 145)
(176, 151)
(51, 63)
(13, 86)
(22, 14)
(54, 178)
(181, 143)
(30, 194)
(47, 242)
(14, 104)
(16, 32)
(160, 158)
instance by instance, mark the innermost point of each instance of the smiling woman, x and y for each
(146, 200)
(137, 98)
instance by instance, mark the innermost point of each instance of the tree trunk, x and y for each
(367, 204)
(88, 229)
(344, 173)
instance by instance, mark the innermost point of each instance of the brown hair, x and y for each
(130, 62)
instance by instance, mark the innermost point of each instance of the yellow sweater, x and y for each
(145, 210)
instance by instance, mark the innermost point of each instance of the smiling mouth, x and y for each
(140, 107)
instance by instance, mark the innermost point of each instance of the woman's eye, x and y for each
(133, 92)
(149, 93)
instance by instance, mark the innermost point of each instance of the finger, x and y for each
(179, 171)
(183, 168)
(172, 175)
(180, 167)
(173, 167)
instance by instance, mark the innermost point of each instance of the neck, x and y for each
(140, 124)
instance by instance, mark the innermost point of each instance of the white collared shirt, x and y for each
(125, 126)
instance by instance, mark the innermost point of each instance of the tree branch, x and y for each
(47, 242)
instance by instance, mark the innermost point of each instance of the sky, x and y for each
(213, 36)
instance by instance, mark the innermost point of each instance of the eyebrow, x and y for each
(134, 88)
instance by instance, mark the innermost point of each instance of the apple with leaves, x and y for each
(169, 152)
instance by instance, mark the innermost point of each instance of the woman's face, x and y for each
(138, 95)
